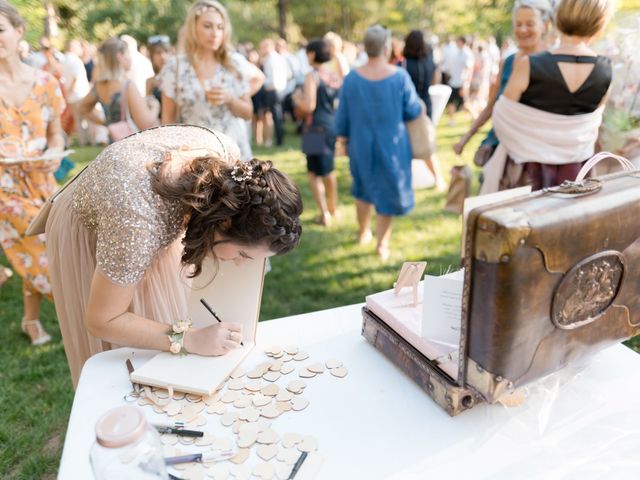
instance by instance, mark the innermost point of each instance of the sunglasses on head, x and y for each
(156, 39)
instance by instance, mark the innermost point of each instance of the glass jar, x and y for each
(127, 447)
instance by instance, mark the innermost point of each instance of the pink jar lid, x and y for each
(120, 426)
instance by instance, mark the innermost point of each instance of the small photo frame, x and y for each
(410, 275)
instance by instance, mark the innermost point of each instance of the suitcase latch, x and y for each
(586, 186)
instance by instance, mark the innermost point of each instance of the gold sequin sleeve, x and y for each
(114, 198)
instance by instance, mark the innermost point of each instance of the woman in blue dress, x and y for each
(375, 102)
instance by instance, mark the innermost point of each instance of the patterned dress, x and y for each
(193, 106)
(23, 190)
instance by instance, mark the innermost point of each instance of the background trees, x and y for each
(255, 19)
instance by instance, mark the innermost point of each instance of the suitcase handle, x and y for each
(627, 166)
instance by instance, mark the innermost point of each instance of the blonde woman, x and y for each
(207, 84)
(30, 107)
(114, 91)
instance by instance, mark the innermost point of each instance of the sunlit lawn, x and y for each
(328, 269)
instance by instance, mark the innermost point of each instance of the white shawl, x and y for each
(527, 134)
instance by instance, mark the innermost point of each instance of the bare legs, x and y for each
(383, 228)
(30, 323)
(325, 193)
(433, 164)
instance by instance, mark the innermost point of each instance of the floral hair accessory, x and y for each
(241, 173)
(176, 336)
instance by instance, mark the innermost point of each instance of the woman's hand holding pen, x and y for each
(215, 339)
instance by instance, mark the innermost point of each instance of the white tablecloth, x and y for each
(376, 423)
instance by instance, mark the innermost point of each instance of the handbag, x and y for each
(314, 141)
(483, 154)
(459, 188)
(123, 128)
(422, 135)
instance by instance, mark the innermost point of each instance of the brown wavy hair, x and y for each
(250, 203)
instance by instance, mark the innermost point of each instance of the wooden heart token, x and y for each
(228, 418)
(236, 384)
(211, 399)
(291, 439)
(286, 369)
(241, 472)
(253, 385)
(299, 403)
(308, 444)
(291, 349)
(265, 471)
(333, 363)
(267, 452)
(260, 400)
(242, 402)
(230, 396)
(339, 372)
(284, 396)
(247, 439)
(316, 368)
(288, 455)
(218, 408)
(268, 437)
(296, 386)
(283, 406)
(173, 408)
(270, 411)
(276, 365)
(270, 390)
(271, 376)
(305, 373)
(301, 355)
(249, 414)
(241, 456)
(273, 350)
(283, 471)
(238, 373)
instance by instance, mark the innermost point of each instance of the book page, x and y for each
(442, 307)
(234, 292)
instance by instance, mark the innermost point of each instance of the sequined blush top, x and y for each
(113, 197)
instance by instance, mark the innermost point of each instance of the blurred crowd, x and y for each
(545, 89)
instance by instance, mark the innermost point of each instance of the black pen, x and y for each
(179, 431)
(215, 315)
(297, 465)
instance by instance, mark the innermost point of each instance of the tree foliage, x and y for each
(255, 19)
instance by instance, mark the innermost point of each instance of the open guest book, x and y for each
(234, 292)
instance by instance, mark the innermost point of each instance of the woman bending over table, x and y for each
(121, 235)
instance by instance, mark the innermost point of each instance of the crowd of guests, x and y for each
(543, 93)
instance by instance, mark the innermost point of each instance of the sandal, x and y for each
(42, 338)
(5, 274)
(324, 220)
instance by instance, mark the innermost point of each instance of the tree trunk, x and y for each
(50, 20)
(282, 18)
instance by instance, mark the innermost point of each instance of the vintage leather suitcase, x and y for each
(550, 277)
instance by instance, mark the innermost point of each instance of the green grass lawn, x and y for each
(328, 270)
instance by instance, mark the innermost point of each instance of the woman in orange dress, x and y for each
(30, 107)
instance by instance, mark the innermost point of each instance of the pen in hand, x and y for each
(212, 312)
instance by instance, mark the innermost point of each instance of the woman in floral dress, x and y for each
(208, 84)
(30, 107)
